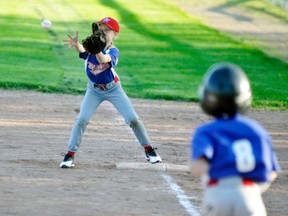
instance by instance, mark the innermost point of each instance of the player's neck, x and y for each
(109, 46)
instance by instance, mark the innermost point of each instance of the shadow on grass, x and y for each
(264, 10)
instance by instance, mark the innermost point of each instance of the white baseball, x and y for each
(46, 23)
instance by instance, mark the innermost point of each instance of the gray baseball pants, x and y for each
(231, 198)
(93, 98)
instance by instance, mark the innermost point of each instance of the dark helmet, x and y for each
(225, 91)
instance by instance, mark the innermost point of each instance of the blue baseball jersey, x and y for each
(105, 73)
(237, 146)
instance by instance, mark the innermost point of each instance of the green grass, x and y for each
(164, 51)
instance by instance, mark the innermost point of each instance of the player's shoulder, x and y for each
(205, 127)
(237, 121)
(112, 51)
(248, 121)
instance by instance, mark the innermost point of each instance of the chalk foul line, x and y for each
(180, 194)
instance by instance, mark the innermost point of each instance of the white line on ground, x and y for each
(148, 166)
(182, 198)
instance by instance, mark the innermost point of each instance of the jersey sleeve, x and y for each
(268, 153)
(275, 165)
(201, 146)
(114, 54)
(84, 55)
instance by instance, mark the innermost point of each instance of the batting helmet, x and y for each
(225, 91)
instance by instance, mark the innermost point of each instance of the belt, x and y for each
(247, 182)
(104, 87)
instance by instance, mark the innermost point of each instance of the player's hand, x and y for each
(72, 42)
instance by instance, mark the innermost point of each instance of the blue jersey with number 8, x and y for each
(237, 146)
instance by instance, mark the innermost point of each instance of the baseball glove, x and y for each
(95, 43)
(95, 28)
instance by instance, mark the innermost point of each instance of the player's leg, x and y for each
(88, 107)
(237, 199)
(122, 103)
(215, 205)
(250, 202)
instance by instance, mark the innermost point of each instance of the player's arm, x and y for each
(79, 47)
(265, 186)
(199, 167)
(103, 58)
(273, 176)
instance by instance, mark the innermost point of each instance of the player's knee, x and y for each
(133, 122)
(82, 121)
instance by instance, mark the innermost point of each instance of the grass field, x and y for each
(164, 51)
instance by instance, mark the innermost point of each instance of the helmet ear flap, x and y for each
(225, 91)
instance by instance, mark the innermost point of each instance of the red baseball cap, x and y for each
(111, 23)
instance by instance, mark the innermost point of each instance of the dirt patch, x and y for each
(35, 128)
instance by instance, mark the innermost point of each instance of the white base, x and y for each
(148, 166)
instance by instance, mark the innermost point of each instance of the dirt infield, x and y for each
(34, 131)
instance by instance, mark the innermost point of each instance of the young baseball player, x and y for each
(232, 152)
(104, 84)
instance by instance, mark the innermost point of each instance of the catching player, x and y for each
(101, 56)
(233, 153)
